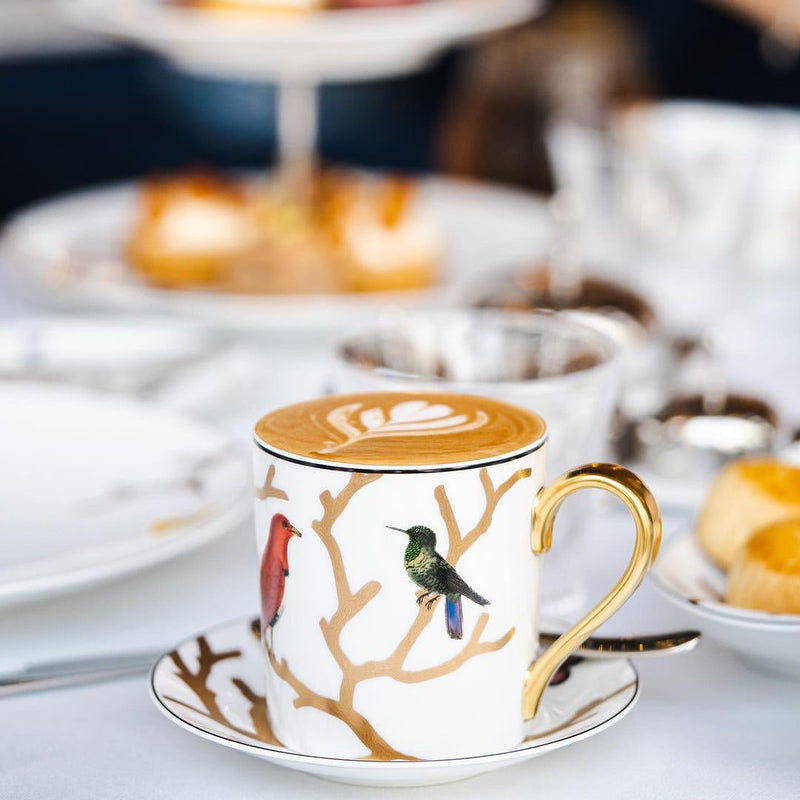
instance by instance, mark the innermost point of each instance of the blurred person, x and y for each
(584, 56)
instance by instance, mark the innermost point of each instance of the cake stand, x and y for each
(298, 51)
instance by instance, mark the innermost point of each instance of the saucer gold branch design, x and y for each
(351, 602)
(268, 489)
(198, 682)
(583, 713)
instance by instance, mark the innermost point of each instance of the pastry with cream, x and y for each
(331, 231)
(383, 242)
(746, 496)
(189, 229)
(765, 575)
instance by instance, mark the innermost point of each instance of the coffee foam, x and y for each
(397, 429)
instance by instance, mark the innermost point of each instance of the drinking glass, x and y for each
(563, 370)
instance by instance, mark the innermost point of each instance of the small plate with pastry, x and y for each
(737, 574)
(276, 255)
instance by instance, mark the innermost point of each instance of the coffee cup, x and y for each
(401, 540)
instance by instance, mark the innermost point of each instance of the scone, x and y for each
(189, 229)
(766, 574)
(747, 495)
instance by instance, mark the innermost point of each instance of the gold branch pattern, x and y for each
(350, 603)
(269, 489)
(458, 544)
(198, 682)
(584, 712)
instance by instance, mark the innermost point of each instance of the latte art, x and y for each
(399, 429)
(409, 418)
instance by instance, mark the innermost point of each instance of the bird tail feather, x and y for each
(454, 617)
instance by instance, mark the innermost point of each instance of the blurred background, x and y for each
(212, 208)
(78, 110)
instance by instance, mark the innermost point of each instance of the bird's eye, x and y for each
(285, 524)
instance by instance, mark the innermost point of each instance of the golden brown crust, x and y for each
(341, 232)
(766, 574)
(747, 495)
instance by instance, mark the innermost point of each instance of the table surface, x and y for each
(706, 725)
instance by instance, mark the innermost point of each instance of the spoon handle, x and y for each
(631, 646)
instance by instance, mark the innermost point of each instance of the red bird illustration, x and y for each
(274, 569)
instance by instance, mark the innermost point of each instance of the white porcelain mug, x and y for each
(400, 571)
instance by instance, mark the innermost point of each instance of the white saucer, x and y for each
(98, 486)
(594, 696)
(690, 581)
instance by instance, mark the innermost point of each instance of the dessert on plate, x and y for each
(336, 231)
(188, 229)
(766, 573)
(750, 527)
(747, 495)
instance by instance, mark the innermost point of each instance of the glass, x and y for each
(567, 372)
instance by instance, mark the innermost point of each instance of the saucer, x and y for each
(212, 685)
(689, 580)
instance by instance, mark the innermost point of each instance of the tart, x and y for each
(746, 496)
(765, 575)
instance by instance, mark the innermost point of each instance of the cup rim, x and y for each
(404, 469)
(522, 321)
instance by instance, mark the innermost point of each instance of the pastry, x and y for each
(766, 573)
(189, 229)
(333, 231)
(747, 495)
(383, 243)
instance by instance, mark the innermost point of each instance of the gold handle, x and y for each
(642, 505)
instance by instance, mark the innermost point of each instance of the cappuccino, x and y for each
(397, 429)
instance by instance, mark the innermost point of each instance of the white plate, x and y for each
(353, 44)
(594, 696)
(69, 252)
(96, 486)
(104, 352)
(690, 581)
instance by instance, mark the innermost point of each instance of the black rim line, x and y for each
(537, 445)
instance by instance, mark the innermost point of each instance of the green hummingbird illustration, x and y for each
(431, 571)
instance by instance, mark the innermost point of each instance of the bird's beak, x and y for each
(392, 528)
(294, 531)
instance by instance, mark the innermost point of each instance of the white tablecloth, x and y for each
(707, 726)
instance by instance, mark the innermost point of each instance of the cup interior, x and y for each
(477, 347)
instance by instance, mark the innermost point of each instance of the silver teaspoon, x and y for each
(631, 646)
